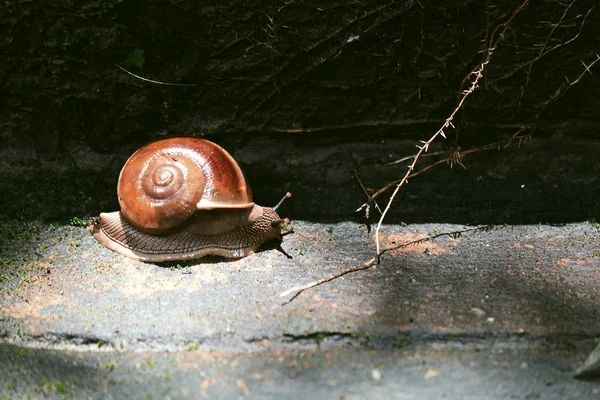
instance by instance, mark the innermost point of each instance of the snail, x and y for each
(185, 198)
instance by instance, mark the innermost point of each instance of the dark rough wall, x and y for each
(303, 93)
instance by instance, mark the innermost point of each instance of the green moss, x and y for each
(110, 365)
(192, 346)
(115, 382)
(135, 59)
(73, 244)
(60, 387)
(23, 352)
(79, 222)
(177, 267)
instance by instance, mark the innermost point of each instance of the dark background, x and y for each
(306, 95)
(303, 93)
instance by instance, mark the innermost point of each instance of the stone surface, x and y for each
(522, 283)
(333, 374)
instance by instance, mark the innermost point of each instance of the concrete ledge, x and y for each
(335, 374)
(524, 284)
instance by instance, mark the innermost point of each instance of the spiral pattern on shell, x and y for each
(164, 183)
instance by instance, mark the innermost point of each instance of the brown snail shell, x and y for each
(164, 183)
(184, 198)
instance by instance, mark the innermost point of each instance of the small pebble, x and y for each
(376, 375)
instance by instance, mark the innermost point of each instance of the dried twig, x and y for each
(517, 136)
(373, 261)
(543, 48)
(368, 207)
(362, 124)
(425, 146)
(153, 81)
(325, 53)
(563, 89)
(489, 48)
(545, 51)
(477, 72)
(300, 289)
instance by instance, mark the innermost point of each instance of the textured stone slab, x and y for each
(519, 283)
(346, 373)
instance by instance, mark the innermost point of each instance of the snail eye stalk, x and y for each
(287, 196)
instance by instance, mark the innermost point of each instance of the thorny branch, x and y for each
(489, 47)
(477, 73)
(425, 146)
(456, 157)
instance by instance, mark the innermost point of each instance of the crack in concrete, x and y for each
(320, 337)
(314, 340)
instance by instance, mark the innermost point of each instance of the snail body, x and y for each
(185, 198)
